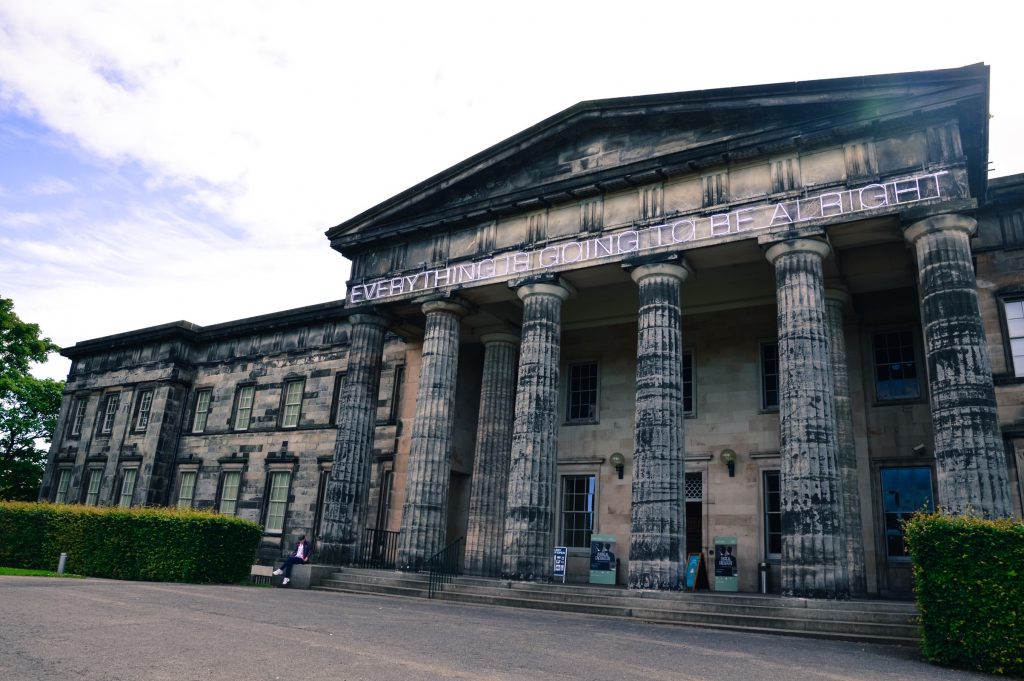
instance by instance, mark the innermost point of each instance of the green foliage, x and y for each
(28, 405)
(156, 544)
(969, 576)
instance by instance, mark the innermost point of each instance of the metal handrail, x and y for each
(444, 566)
(379, 550)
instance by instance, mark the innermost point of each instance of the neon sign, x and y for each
(679, 233)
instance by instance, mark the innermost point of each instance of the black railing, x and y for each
(380, 550)
(444, 566)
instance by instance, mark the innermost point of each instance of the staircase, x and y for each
(869, 621)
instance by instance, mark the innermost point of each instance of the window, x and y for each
(128, 478)
(339, 382)
(895, 366)
(229, 484)
(581, 403)
(187, 489)
(905, 491)
(63, 481)
(142, 410)
(1015, 332)
(202, 411)
(770, 375)
(277, 502)
(396, 393)
(773, 514)
(243, 406)
(577, 510)
(92, 489)
(108, 413)
(77, 416)
(688, 403)
(292, 403)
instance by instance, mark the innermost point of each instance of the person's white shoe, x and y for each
(278, 572)
(285, 581)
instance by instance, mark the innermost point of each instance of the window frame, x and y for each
(394, 409)
(594, 476)
(93, 473)
(767, 512)
(129, 479)
(192, 473)
(692, 411)
(273, 475)
(236, 413)
(917, 361)
(285, 404)
(1013, 371)
(60, 491)
(77, 416)
(884, 531)
(204, 412)
(143, 408)
(339, 382)
(765, 406)
(108, 414)
(225, 474)
(596, 413)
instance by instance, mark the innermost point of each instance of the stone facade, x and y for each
(762, 299)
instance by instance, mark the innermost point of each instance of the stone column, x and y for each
(529, 514)
(485, 533)
(969, 456)
(658, 523)
(813, 546)
(348, 487)
(835, 302)
(424, 514)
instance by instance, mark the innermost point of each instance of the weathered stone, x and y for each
(813, 547)
(658, 520)
(345, 504)
(426, 489)
(529, 515)
(486, 528)
(969, 450)
(835, 302)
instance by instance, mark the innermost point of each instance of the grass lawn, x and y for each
(18, 572)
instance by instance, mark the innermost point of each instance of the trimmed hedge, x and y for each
(969, 576)
(155, 544)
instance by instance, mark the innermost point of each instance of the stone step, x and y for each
(858, 620)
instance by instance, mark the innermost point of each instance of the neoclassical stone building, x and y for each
(777, 317)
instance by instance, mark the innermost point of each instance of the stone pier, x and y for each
(658, 522)
(529, 515)
(424, 513)
(969, 455)
(485, 533)
(344, 515)
(813, 546)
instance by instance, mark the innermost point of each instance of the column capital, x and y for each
(509, 338)
(837, 296)
(678, 270)
(452, 305)
(956, 222)
(818, 247)
(558, 288)
(371, 319)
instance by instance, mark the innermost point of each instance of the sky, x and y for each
(182, 160)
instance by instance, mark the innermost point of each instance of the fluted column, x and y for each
(969, 456)
(529, 514)
(658, 518)
(835, 302)
(813, 546)
(424, 514)
(348, 486)
(485, 533)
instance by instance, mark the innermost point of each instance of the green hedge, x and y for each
(969, 578)
(157, 544)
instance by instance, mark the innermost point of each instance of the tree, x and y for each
(28, 405)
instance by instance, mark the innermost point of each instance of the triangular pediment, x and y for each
(606, 145)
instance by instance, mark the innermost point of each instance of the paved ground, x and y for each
(108, 630)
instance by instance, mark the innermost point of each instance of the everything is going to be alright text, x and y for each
(686, 230)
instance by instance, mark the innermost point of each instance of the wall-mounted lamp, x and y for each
(618, 461)
(728, 457)
(920, 449)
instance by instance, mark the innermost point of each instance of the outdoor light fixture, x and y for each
(728, 457)
(618, 461)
